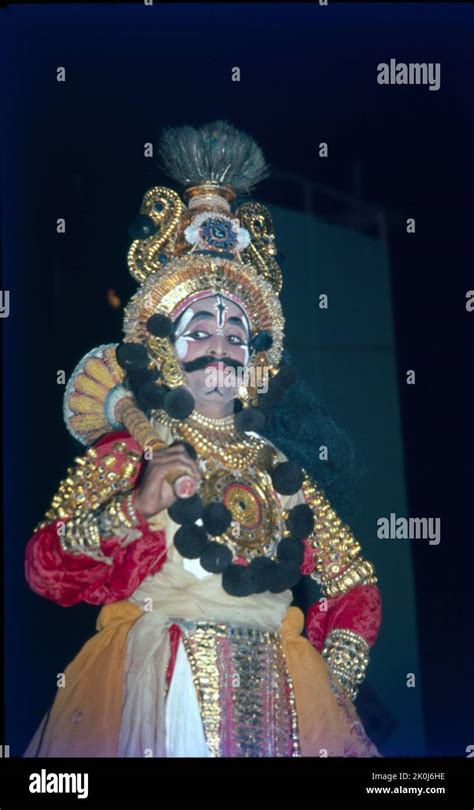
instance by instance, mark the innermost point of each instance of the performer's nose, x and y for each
(218, 347)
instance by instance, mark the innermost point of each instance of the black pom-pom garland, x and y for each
(190, 541)
(262, 341)
(151, 395)
(249, 419)
(290, 551)
(238, 580)
(216, 557)
(287, 477)
(216, 518)
(132, 356)
(263, 569)
(281, 577)
(186, 510)
(137, 378)
(262, 573)
(179, 403)
(300, 521)
(290, 574)
(159, 325)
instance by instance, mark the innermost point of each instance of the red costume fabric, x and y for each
(68, 579)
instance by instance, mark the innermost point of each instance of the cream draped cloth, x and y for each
(171, 594)
(182, 589)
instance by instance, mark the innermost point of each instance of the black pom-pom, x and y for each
(238, 580)
(287, 478)
(237, 406)
(284, 576)
(187, 446)
(132, 356)
(216, 557)
(186, 510)
(290, 574)
(151, 395)
(249, 419)
(300, 521)
(262, 569)
(141, 376)
(262, 341)
(179, 403)
(159, 325)
(142, 227)
(190, 541)
(216, 518)
(290, 551)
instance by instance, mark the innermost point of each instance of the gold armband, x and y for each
(97, 480)
(82, 535)
(92, 482)
(347, 656)
(339, 565)
(118, 517)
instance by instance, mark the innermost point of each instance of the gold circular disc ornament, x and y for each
(257, 525)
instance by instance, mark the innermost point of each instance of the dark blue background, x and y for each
(308, 74)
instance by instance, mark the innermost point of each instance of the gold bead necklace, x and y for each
(217, 439)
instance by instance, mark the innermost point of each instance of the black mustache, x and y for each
(202, 362)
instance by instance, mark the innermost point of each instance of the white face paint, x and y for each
(181, 344)
(221, 307)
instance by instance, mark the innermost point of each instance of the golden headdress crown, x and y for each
(214, 163)
(181, 253)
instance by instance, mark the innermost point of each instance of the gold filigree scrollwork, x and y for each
(261, 250)
(164, 207)
(162, 352)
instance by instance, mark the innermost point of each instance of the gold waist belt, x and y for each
(244, 690)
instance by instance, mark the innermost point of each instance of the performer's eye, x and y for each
(198, 334)
(236, 340)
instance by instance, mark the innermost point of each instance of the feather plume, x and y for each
(217, 152)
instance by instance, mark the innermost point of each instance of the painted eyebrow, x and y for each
(238, 321)
(202, 314)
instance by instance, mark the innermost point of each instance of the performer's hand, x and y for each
(155, 493)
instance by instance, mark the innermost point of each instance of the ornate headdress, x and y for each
(181, 253)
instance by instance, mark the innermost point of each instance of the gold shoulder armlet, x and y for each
(339, 565)
(94, 481)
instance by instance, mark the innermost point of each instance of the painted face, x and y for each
(217, 329)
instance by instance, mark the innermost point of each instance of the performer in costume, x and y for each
(184, 521)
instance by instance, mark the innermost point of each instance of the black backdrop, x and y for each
(75, 150)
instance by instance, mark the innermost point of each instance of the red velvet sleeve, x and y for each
(358, 610)
(68, 578)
